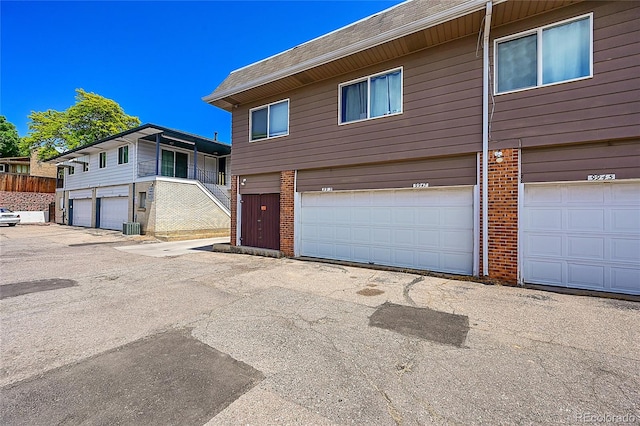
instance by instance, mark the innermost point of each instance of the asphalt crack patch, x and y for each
(424, 323)
(168, 378)
(28, 287)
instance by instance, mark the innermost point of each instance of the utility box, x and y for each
(131, 228)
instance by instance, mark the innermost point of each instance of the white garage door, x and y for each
(582, 236)
(81, 212)
(114, 211)
(428, 229)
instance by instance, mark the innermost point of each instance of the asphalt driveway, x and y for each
(101, 328)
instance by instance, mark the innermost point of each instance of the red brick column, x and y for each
(503, 216)
(234, 208)
(287, 193)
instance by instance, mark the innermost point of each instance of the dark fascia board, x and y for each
(200, 142)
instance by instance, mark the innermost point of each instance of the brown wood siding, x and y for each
(460, 170)
(442, 116)
(576, 162)
(24, 183)
(601, 108)
(260, 184)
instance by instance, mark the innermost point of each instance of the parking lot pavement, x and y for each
(314, 343)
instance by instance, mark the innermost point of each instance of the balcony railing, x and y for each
(215, 182)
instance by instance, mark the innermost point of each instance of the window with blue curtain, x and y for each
(564, 51)
(374, 96)
(270, 121)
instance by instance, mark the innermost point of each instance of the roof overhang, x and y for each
(401, 31)
(147, 132)
(458, 21)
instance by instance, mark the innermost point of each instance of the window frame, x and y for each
(368, 80)
(121, 157)
(268, 107)
(539, 66)
(142, 200)
(71, 170)
(102, 164)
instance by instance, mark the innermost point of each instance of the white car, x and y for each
(9, 217)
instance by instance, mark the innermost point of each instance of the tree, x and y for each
(9, 139)
(90, 119)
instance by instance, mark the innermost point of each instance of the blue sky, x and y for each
(155, 58)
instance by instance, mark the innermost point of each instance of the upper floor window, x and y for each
(269, 121)
(72, 170)
(103, 160)
(547, 55)
(370, 97)
(123, 154)
(85, 167)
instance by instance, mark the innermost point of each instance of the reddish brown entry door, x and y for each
(260, 221)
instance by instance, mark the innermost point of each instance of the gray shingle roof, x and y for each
(375, 29)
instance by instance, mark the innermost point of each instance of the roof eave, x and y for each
(404, 30)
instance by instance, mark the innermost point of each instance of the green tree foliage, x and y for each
(90, 119)
(9, 139)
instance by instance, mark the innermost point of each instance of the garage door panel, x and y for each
(585, 195)
(544, 219)
(594, 245)
(585, 219)
(624, 250)
(582, 275)
(381, 236)
(114, 211)
(544, 272)
(625, 220)
(408, 228)
(625, 194)
(585, 247)
(625, 279)
(457, 262)
(544, 245)
(82, 209)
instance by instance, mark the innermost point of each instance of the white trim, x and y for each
(410, 28)
(368, 80)
(268, 107)
(519, 245)
(485, 138)
(538, 31)
(401, 188)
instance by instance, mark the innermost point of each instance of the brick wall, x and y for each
(183, 210)
(26, 201)
(503, 216)
(234, 210)
(287, 194)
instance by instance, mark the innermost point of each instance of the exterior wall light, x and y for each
(498, 155)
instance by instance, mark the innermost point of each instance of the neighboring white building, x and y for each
(174, 184)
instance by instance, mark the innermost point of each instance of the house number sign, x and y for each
(609, 176)
(327, 189)
(420, 185)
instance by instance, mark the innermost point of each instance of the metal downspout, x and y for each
(157, 154)
(485, 139)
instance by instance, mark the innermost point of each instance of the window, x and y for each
(72, 170)
(103, 160)
(370, 97)
(2, 168)
(547, 55)
(123, 154)
(269, 121)
(142, 200)
(85, 167)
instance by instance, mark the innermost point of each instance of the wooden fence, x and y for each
(11, 182)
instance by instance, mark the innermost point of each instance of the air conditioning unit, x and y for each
(131, 228)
